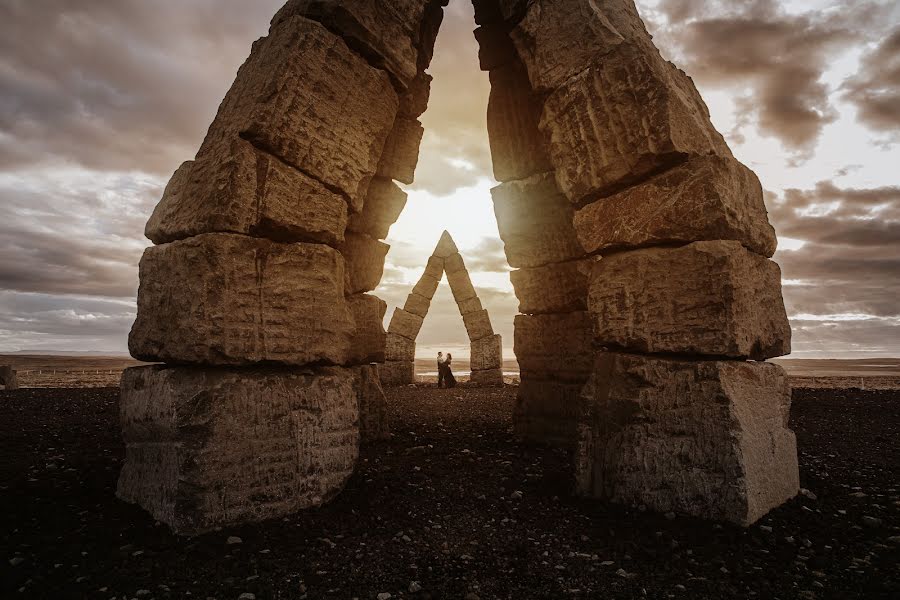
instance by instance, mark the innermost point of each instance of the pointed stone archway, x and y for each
(486, 356)
(641, 246)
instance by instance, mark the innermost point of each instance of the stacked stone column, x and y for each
(256, 294)
(406, 322)
(641, 354)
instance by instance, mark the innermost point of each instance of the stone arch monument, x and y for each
(648, 362)
(486, 347)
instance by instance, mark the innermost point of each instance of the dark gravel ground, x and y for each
(453, 504)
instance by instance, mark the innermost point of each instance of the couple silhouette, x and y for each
(445, 371)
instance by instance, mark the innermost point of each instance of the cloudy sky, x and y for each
(100, 102)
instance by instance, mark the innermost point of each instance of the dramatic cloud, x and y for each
(875, 90)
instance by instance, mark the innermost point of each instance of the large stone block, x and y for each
(487, 353)
(414, 102)
(417, 305)
(461, 286)
(554, 347)
(454, 263)
(374, 425)
(369, 338)
(478, 325)
(401, 151)
(446, 247)
(384, 203)
(555, 288)
(386, 32)
(397, 373)
(518, 148)
(291, 100)
(535, 222)
(658, 121)
(405, 324)
(470, 306)
(548, 412)
(9, 379)
(426, 286)
(434, 268)
(239, 189)
(400, 349)
(365, 258)
(702, 438)
(489, 377)
(223, 299)
(208, 448)
(706, 198)
(708, 299)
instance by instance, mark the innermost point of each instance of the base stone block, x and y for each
(703, 438)
(209, 448)
(8, 379)
(399, 348)
(397, 373)
(487, 353)
(489, 377)
(373, 414)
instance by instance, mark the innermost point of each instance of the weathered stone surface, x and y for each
(446, 247)
(548, 412)
(461, 286)
(558, 39)
(291, 100)
(489, 377)
(518, 148)
(368, 342)
(414, 102)
(555, 288)
(454, 263)
(401, 151)
(209, 448)
(470, 306)
(478, 325)
(499, 11)
(495, 47)
(417, 305)
(706, 198)
(9, 380)
(426, 286)
(701, 438)
(708, 298)
(658, 120)
(487, 353)
(365, 258)
(384, 203)
(434, 268)
(397, 373)
(535, 222)
(400, 348)
(223, 299)
(405, 324)
(385, 32)
(242, 190)
(554, 347)
(374, 425)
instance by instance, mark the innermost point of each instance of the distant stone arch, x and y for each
(648, 363)
(486, 355)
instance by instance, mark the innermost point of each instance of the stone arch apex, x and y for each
(486, 355)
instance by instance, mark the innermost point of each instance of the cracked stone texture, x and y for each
(396, 373)
(414, 101)
(657, 120)
(555, 288)
(535, 222)
(405, 324)
(399, 348)
(417, 305)
(365, 258)
(558, 39)
(401, 151)
(714, 299)
(518, 148)
(702, 438)
(554, 347)
(9, 379)
(374, 424)
(487, 353)
(488, 377)
(706, 198)
(385, 32)
(239, 189)
(384, 203)
(548, 412)
(209, 448)
(231, 300)
(291, 100)
(368, 341)
(478, 325)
